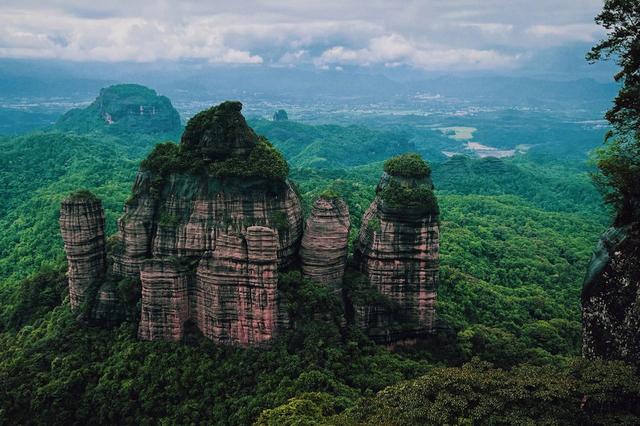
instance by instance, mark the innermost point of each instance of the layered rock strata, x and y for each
(191, 215)
(323, 252)
(82, 229)
(206, 247)
(611, 296)
(165, 299)
(235, 298)
(398, 251)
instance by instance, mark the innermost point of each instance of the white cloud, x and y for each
(559, 34)
(490, 28)
(115, 39)
(426, 34)
(394, 50)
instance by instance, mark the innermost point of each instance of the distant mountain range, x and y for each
(50, 79)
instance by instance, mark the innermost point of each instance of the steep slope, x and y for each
(611, 293)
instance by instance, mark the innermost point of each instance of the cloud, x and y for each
(559, 34)
(489, 28)
(394, 50)
(425, 34)
(115, 39)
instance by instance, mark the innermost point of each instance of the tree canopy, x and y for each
(619, 161)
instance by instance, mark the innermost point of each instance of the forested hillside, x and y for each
(516, 236)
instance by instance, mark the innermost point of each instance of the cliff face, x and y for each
(398, 251)
(324, 245)
(236, 241)
(82, 228)
(235, 298)
(191, 214)
(165, 299)
(611, 296)
(91, 293)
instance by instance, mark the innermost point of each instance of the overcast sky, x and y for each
(426, 35)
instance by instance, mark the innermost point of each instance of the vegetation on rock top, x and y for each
(81, 195)
(329, 194)
(419, 198)
(407, 165)
(263, 161)
(219, 142)
(218, 133)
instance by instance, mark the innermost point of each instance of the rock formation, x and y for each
(212, 222)
(611, 294)
(91, 293)
(207, 246)
(235, 298)
(82, 229)
(324, 245)
(398, 251)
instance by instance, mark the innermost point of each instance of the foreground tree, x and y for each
(610, 294)
(619, 160)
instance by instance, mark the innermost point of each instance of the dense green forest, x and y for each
(516, 236)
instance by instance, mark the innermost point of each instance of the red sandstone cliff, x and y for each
(398, 251)
(324, 245)
(82, 229)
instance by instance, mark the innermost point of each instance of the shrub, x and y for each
(374, 225)
(130, 290)
(169, 220)
(407, 165)
(83, 194)
(419, 197)
(264, 161)
(279, 221)
(164, 159)
(329, 194)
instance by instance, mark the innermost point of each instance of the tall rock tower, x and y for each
(324, 244)
(82, 228)
(206, 230)
(398, 252)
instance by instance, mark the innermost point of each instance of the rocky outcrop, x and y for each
(194, 212)
(82, 228)
(211, 223)
(92, 292)
(239, 235)
(323, 252)
(230, 292)
(219, 132)
(398, 252)
(235, 298)
(611, 296)
(136, 227)
(207, 244)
